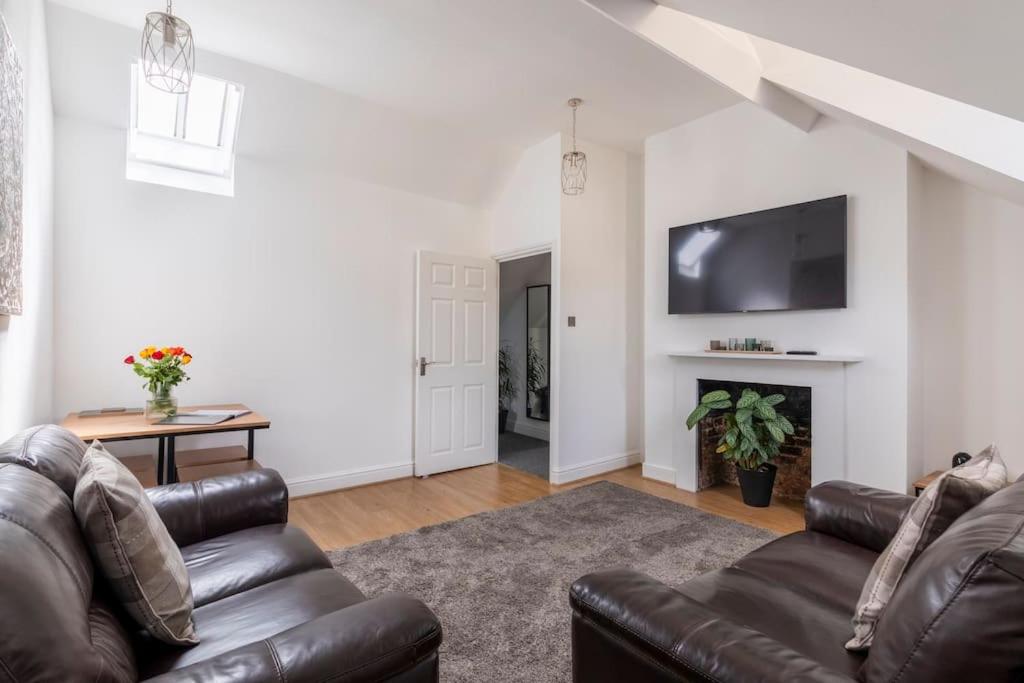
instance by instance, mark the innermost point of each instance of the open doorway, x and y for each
(524, 364)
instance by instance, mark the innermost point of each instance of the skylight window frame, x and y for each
(159, 158)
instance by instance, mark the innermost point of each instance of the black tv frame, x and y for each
(846, 269)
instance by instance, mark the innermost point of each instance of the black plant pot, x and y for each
(756, 485)
(502, 420)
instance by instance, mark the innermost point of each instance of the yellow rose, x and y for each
(166, 350)
(144, 353)
(186, 359)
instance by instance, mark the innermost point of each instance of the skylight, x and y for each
(185, 141)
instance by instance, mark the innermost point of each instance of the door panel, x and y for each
(476, 332)
(443, 330)
(456, 391)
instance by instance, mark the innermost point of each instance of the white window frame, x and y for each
(175, 162)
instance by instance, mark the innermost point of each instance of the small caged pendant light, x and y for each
(168, 53)
(574, 163)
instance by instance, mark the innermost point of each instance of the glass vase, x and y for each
(160, 405)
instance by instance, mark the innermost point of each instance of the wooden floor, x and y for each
(343, 518)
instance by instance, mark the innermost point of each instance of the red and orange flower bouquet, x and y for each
(163, 369)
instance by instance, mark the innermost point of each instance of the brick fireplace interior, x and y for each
(794, 462)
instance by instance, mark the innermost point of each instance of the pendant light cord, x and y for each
(574, 128)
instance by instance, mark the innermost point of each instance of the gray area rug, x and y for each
(499, 581)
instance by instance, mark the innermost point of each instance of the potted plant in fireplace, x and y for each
(754, 431)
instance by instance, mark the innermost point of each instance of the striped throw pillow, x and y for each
(939, 505)
(133, 549)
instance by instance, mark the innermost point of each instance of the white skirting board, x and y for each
(659, 473)
(595, 467)
(320, 483)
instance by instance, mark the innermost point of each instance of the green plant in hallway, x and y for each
(753, 432)
(507, 388)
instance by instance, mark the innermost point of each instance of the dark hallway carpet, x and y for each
(524, 453)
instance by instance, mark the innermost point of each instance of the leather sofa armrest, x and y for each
(213, 507)
(862, 515)
(679, 635)
(369, 641)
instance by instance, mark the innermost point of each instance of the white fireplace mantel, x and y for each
(825, 375)
(776, 357)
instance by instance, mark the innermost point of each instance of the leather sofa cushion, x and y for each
(52, 451)
(252, 616)
(820, 567)
(811, 627)
(51, 627)
(226, 565)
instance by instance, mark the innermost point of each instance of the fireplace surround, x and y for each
(824, 375)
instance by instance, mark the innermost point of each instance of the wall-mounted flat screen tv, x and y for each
(784, 259)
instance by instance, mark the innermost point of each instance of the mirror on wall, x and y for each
(538, 351)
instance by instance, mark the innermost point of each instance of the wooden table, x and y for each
(131, 427)
(922, 483)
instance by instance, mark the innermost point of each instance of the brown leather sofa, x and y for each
(782, 613)
(268, 605)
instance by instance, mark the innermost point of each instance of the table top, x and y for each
(927, 479)
(115, 426)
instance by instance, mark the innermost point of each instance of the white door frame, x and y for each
(554, 366)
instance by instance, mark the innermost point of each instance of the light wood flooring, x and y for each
(343, 518)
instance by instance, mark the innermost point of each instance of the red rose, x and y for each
(129, 360)
(177, 350)
(157, 355)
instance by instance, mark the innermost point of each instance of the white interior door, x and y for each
(456, 364)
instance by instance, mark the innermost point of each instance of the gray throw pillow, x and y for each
(133, 549)
(940, 504)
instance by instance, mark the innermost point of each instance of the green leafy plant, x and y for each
(753, 431)
(507, 387)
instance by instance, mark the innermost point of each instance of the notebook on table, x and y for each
(203, 417)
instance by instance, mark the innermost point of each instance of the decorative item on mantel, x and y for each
(746, 345)
(754, 431)
(163, 369)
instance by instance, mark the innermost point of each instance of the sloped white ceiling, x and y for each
(979, 145)
(968, 51)
(499, 69)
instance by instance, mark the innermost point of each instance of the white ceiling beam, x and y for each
(981, 147)
(700, 46)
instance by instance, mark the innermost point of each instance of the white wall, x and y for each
(515, 276)
(527, 209)
(596, 274)
(969, 321)
(26, 341)
(744, 159)
(296, 296)
(601, 374)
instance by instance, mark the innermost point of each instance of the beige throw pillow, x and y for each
(940, 504)
(133, 549)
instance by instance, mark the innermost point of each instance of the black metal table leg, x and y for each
(252, 443)
(161, 477)
(172, 469)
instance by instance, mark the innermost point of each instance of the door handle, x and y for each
(423, 365)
